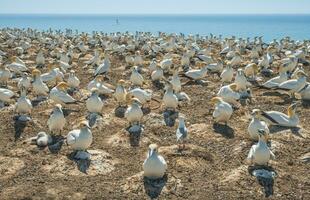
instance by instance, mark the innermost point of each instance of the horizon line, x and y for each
(154, 13)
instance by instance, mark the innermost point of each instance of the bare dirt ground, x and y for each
(212, 167)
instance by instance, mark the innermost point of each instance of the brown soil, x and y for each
(213, 166)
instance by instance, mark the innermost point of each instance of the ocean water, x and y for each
(269, 26)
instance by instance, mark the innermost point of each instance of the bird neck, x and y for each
(181, 123)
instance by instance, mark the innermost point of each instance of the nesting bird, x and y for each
(290, 119)
(80, 139)
(59, 94)
(260, 153)
(94, 103)
(154, 166)
(136, 78)
(222, 111)
(256, 124)
(133, 113)
(56, 121)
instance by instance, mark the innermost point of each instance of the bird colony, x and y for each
(176, 98)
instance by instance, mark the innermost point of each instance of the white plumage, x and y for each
(94, 103)
(154, 166)
(259, 153)
(80, 139)
(222, 111)
(56, 121)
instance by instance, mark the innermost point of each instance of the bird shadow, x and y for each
(92, 118)
(272, 93)
(158, 85)
(170, 117)
(19, 127)
(294, 130)
(82, 164)
(67, 111)
(225, 130)
(305, 103)
(56, 145)
(135, 132)
(153, 187)
(120, 111)
(37, 101)
(146, 110)
(286, 100)
(265, 176)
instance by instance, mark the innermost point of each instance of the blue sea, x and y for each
(269, 26)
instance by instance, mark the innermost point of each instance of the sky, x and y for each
(155, 6)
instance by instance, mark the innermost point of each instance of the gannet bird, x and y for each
(120, 93)
(305, 92)
(205, 58)
(80, 139)
(73, 81)
(129, 59)
(40, 60)
(39, 87)
(138, 60)
(136, 78)
(274, 82)
(6, 95)
(63, 65)
(176, 81)
(170, 100)
(259, 153)
(94, 61)
(294, 85)
(289, 64)
(5, 75)
(256, 124)
(52, 75)
(181, 132)
(254, 53)
(143, 95)
(227, 74)
(229, 93)
(298, 69)
(154, 166)
(94, 83)
(222, 111)
(152, 65)
(236, 60)
(104, 67)
(94, 103)
(157, 74)
(57, 120)
(197, 74)
(185, 60)
(251, 70)
(133, 113)
(17, 67)
(59, 94)
(24, 82)
(103, 89)
(215, 67)
(281, 119)
(241, 81)
(23, 104)
(166, 64)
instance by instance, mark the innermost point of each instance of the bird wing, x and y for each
(72, 136)
(65, 97)
(288, 85)
(265, 115)
(251, 153)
